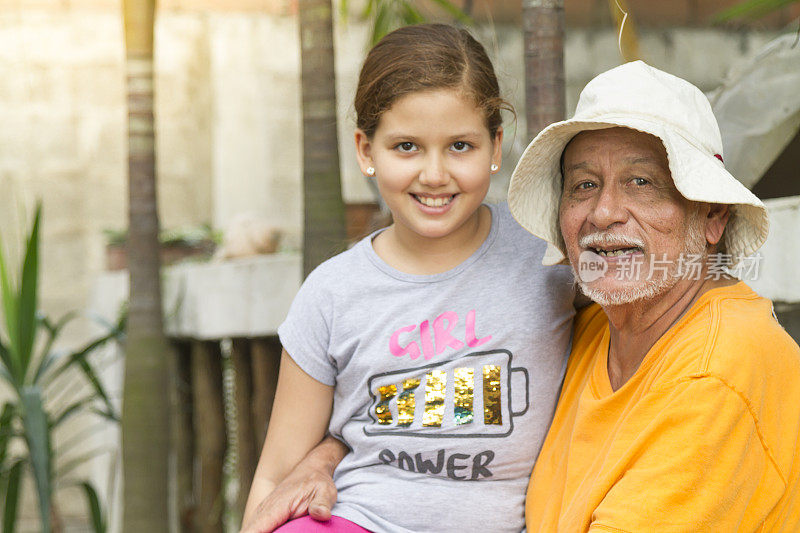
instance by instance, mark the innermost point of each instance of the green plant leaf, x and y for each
(72, 463)
(37, 436)
(382, 24)
(7, 366)
(49, 359)
(72, 409)
(369, 7)
(751, 9)
(95, 510)
(10, 305)
(454, 11)
(6, 429)
(11, 496)
(410, 14)
(109, 415)
(79, 359)
(28, 296)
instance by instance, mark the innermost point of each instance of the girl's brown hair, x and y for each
(426, 57)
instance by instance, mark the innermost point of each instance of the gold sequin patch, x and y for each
(435, 383)
(407, 403)
(464, 392)
(492, 413)
(382, 410)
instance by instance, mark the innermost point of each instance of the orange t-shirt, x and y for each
(703, 437)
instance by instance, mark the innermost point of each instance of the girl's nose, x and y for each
(434, 173)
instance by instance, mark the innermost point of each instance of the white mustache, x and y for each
(596, 240)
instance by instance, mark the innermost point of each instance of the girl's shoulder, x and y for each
(511, 233)
(341, 267)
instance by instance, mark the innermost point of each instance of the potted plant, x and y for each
(32, 370)
(177, 245)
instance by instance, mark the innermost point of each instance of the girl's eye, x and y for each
(461, 146)
(406, 147)
(640, 181)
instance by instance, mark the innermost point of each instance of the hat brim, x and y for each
(535, 190)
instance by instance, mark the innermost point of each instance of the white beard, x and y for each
(695, 244)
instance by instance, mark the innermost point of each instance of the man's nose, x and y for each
(608, 209)
(434, 173)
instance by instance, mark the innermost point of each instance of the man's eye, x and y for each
(406, 147)
(641, 181)
(584, 185)
(461, 146)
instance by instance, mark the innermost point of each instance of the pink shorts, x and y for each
(306, 524)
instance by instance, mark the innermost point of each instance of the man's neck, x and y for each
(637, 326)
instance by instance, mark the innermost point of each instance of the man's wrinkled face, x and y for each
(619, 203)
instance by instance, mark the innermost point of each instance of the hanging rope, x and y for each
(621, 27)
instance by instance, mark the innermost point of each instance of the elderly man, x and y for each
(680, 409)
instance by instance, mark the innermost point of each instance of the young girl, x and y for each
(433, 349)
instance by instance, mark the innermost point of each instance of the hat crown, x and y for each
(638, 90)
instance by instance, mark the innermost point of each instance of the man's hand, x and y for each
(308, 489)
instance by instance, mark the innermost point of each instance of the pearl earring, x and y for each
(370, 171)
(494, 167)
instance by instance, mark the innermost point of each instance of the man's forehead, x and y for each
(632, 160)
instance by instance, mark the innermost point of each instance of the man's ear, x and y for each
(716, 219)
(364, 152)
(497, 152)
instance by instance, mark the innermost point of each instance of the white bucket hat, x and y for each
(638, 96)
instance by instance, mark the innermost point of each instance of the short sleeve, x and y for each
(306, 332)
(701, 466)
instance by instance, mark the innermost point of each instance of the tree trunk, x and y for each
(210, 435)
(323, 211)
(183, 435)
(145, 409)
(543, 38)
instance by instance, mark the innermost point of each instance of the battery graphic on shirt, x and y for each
(467, 397)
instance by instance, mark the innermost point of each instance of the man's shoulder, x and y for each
(757, 360)
(734, 338)
(744, 334)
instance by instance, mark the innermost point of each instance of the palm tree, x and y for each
(543, 41)
(145, 409)
(323, 220)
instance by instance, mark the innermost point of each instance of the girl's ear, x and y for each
(497, 152)
(364, 152)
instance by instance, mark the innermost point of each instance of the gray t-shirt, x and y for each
(445, 385)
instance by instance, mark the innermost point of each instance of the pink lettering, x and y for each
(425, 337)
(435, 343)
(441, 333)
(472, 342)
(412, 348)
